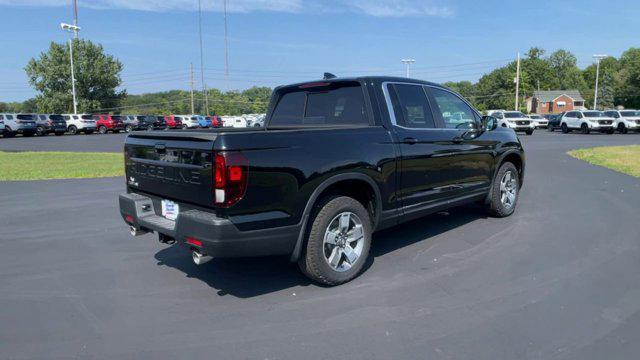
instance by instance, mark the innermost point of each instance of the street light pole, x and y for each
(595, 95)
(408, 62)
(74, 29)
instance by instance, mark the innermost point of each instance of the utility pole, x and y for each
(407, 62)
(75, 17)
(193, 111)
(75, 30)
(204, 87)
(595, 95)
(518, 82)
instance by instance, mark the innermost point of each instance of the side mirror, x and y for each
(488, 123)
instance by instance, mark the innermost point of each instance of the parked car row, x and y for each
(12, 124)
(586, 121)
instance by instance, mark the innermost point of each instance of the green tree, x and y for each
(97, 78)
(629, 92)
(608, 82)
(567, 74)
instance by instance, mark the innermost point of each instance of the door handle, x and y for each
(410, 140)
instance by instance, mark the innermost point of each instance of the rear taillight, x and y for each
(230, 177)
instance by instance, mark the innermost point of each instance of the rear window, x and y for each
(25, 117)
(629, 113)
(336, 104)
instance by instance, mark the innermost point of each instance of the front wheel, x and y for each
(504, 191)
(565, 128)
(622, 129)
(128, 128)
(338, 242)
(585, 129)
(150, 128)
(102, 129)
(73, 130)
(40, 131)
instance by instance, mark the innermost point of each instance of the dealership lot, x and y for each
(559, 279)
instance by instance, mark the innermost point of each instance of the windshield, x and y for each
(593, 114)
(514, 115)
(26, 117)
(629, 113)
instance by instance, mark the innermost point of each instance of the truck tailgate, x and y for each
(173, 166)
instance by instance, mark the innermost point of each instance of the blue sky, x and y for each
(275, 42)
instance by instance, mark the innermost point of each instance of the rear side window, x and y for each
(411, 106)
(26, 117)
(336, 104)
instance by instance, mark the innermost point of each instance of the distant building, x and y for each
(555, 101)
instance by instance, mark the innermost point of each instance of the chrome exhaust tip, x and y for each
(199, 258)
(136, 232)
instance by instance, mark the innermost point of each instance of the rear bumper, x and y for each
(219, 236)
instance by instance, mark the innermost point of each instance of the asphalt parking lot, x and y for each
(560, 279)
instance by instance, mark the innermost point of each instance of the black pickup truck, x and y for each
(337, 160)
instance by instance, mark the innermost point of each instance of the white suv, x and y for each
(77, 123)
(190, 121)
(625, 120)
(14, 124)
(514, 120)
(1, 124)
(539, 121)
(587, 121)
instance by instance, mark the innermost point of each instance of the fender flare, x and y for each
(297, 250)
(498, 163)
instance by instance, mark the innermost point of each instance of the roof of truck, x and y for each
(365, 79)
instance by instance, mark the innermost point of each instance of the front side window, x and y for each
(629, 113)
(456, 114)
(340, 103)
(411, 106)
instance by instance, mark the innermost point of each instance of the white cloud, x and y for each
(377, 8)
(399, 8)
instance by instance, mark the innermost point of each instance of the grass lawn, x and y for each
(59, 165)
(625, 159)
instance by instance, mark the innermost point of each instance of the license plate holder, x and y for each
(170, 209)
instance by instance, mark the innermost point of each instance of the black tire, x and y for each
(529, 132)
(313, 262)
(102, 129)
(495, 205)
(585, 129)
(622, 129)
(128, 128)
(8, 132)
(59, 133)
(73, 130)
(150, 128)
(184, 127)
(565, 128)
(40, 131)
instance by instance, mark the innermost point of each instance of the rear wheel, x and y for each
(128, 128)
(73, 130)
(150, 128)
(8, 132)
(504, 191)
(585, 129)
(338, 242)
(102, 129)
(40, 131)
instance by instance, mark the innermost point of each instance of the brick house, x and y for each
(555, 101)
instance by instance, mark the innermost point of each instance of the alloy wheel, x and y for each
(508, 189)
(343, 241)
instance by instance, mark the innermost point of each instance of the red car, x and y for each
(104, 123)
(173, 121)
(216, 121)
